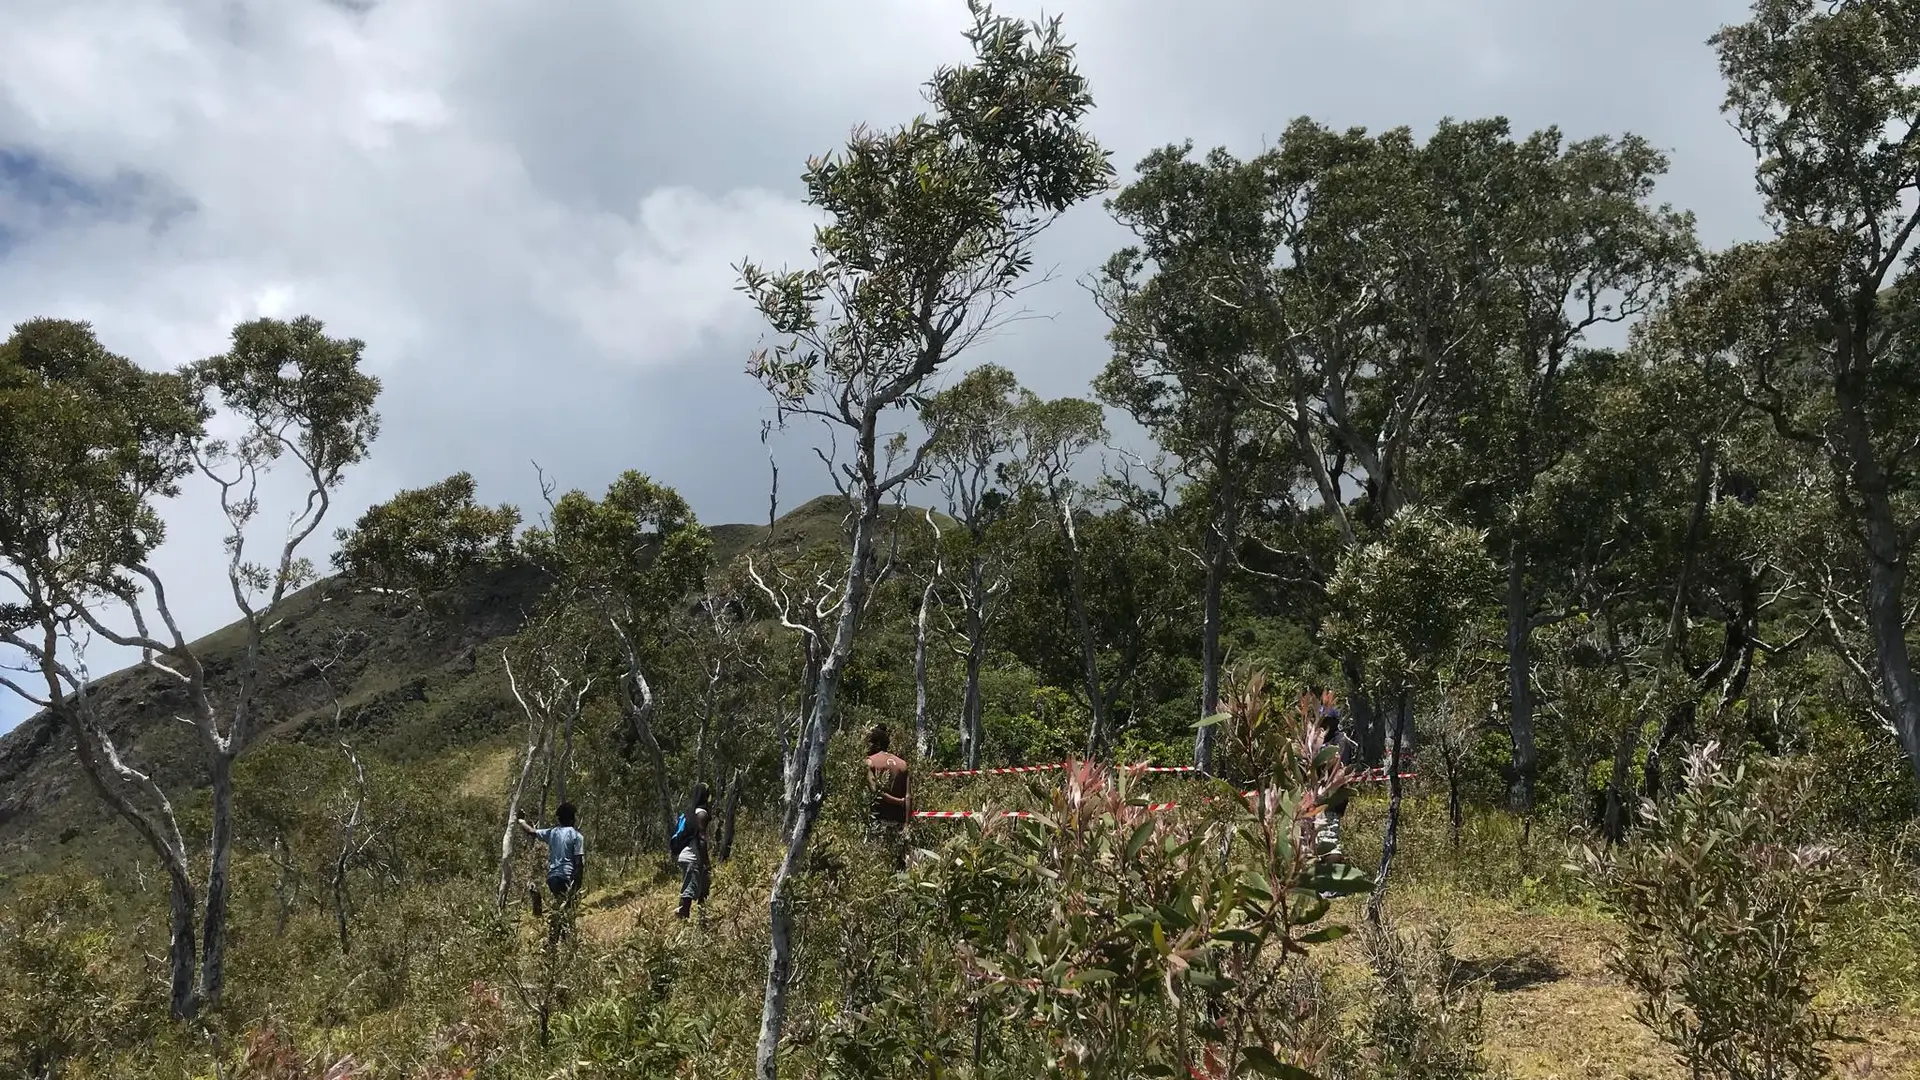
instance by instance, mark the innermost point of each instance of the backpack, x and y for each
(682, 836)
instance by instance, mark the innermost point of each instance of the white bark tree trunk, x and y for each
(812, 753)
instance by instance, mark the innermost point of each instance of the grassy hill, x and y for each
(404, 682)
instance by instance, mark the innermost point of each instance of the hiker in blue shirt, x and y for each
(566, 853)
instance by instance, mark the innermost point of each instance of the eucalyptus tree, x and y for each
(1135, 600)
(970, 447)
(426, 539)
(1177, 352)
(550, 684)
(90, 444)
(1564, 240)
(1318, 289)
(1407, 603)
(930, 233)
(1816, 327)
(1053, 435)
(636, 558)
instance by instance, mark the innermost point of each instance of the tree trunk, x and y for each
(213, 921)
(1615, 823)
(1886, 617)
(640, 715)
(1077, 598)
(819, 731)
(1520, 682)
(282, 884)
(546, 782)
(183, 1000)
(1210, 650)
(1391, 842)
(1886, 551)
(348, 831)
(922, 721)
(1364, 722)
(527, 759)
(971, 704)
(727, 815)
(159, 828)
(1456, 812)
(793, 758)
(706, 723)
(566, 758)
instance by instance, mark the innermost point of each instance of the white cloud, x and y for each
(529, 211)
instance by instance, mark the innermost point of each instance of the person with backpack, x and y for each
(1319, 703)
(566, 863)
(689, 848)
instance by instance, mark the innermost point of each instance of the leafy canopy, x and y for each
(638, 551)
(427, 538)
(89, 443)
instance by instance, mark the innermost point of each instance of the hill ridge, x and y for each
(407, 675)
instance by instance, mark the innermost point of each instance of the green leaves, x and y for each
(296, 389)
(1107, 925)
(1260, 1060)
(1723, 901)
(929, 224)
(89, 443)
(1403, 601)
(427, 538)
(637, 553)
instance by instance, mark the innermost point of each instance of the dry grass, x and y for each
(1554, 1011)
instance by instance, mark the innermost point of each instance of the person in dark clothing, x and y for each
(1319, 700)
(693, 856)
(887, 778)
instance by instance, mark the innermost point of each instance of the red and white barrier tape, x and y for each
(950, 774)
(944, 815)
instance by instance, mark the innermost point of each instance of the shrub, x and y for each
(1723, 901)
(68, 999)
(1423, 1020)
(1105, 939)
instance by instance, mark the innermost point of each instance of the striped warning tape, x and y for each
(944, 815)
(1011, 770)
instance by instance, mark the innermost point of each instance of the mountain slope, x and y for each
(401, 680)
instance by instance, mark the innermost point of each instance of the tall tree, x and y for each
(1053, 435)
(89, 443)
(1176, 351)
(930, 232)
(1817, 327)
(1564, 239)
(1135, 599)
(970, 446)
(428, 538)
(636, 558)
(1406, 603)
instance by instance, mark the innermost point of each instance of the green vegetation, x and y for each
(1639, 613)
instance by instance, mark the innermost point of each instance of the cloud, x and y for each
(529, 211)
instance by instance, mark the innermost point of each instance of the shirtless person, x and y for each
(887, 777)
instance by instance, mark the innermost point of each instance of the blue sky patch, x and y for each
(37, 195)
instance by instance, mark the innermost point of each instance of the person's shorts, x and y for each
(693, 880)
(559, 885)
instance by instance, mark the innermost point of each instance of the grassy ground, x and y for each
(1552, 1009)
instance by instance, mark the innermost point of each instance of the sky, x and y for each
(531, 212)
